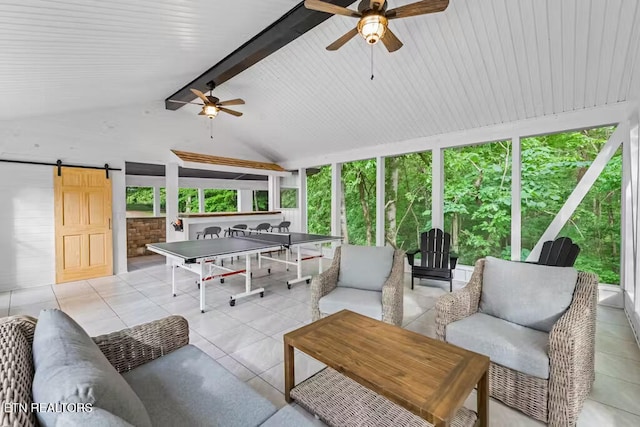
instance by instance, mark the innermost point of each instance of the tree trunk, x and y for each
(343, 214)
(455, 231)
(365, 206)
(392, 232)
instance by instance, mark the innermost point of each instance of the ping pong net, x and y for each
(283, 239)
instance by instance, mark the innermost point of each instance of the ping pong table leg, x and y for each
(319, 246)
(299, 262)
(201, 289)
(173, 279)
(286, 257)
(247, 278)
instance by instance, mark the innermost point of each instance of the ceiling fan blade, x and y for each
(231, 102)
(182, 102)
(390, 41)
(201, 96)
(342, 40)
(418, 8)
(201, 113)
(322, 6)
(232, 112)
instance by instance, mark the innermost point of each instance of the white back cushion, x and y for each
(365, 267)
(530, 295)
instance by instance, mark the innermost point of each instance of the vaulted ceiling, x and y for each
(479, 63)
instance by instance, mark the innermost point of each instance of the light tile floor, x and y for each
(247, 339)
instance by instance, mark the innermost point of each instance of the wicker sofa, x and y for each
(386, 304)
(158, 362)
(558, 399)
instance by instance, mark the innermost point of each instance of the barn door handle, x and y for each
(109, 223)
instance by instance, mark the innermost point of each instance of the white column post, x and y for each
(437, 188)
(516, 199)
(629, 236)
(336, 189)
(380, 201)
(245, 200)
(156, 201)
(201, 200)
(302, 199)
(274, 193)
(119, 218)
(171, 188)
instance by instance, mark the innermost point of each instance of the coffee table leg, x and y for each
(483, 400)
(289, 372)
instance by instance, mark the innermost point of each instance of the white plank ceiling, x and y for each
(480, 63)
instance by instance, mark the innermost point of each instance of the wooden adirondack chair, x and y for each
(436, 262)
(561, 252)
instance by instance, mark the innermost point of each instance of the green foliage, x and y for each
(319, 201)
(260, 200)
(220, 200)
(288, 198)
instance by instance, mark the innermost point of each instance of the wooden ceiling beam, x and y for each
(289, 27)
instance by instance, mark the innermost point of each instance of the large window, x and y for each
(139, 201)
(220, 200)
(552, 166)
(477, 205)
(319, 201)
(289, 198)
(408, 199)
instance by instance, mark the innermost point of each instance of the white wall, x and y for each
(27, 247)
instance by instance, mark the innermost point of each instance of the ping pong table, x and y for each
(205, 257)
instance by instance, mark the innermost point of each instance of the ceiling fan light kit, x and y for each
(372, 27)
(374, 19)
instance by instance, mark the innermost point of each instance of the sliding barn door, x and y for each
(83, 224)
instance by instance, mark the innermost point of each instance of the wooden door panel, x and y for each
(72, 208)
(72, 249)
(97, 248)
(96, 209)
(83, 224)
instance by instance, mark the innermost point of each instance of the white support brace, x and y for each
(573, 201)
(437, 188)
(380, 201)
(156, 201)
(302, 199)
(201, 200)
(336, 189)
(516, 199)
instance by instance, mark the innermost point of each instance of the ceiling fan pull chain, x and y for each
(371, 62)
(211, 129)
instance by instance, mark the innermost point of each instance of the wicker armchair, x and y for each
(392, 290)
(559, 399)
(125, 349)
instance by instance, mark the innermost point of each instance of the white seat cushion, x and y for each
(512, 346)
(367, 303)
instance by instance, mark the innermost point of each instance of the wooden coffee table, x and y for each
(430, 378)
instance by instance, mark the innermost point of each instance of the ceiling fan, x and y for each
(374, 19)
(213, 105)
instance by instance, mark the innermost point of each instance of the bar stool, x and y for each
(284, 225)
(209, 231)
